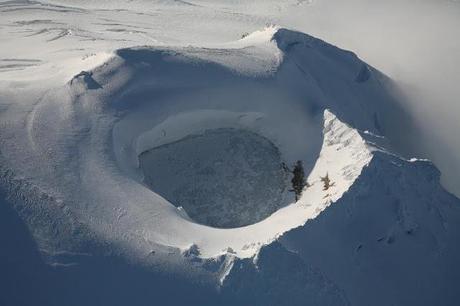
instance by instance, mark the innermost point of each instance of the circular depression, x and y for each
(223, 177)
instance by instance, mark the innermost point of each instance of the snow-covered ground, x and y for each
(151, 138)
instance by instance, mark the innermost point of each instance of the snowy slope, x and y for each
(70, 166)
(389, 240)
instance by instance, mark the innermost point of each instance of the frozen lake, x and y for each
(222, 178)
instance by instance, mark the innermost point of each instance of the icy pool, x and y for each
(222, 178)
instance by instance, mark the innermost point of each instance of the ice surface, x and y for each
(222, 178)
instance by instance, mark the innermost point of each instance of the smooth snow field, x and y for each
(222, 178)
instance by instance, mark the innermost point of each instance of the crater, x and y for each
(223, 177)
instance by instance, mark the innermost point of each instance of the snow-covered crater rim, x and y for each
(343, 155)
(205, 96)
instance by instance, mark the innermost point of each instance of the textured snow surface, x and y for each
(111, 161)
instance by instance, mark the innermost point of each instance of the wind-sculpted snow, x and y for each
(75, 169)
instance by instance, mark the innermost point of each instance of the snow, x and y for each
(408, 243)
(108, 82)
(71, 134)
